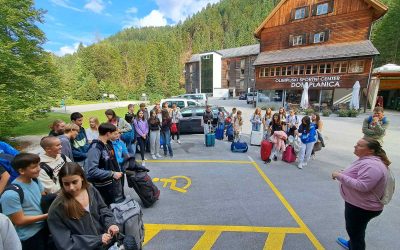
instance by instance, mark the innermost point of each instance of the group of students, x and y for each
(83, 170)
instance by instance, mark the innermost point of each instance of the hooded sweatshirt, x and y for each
(80, 146)
(85, 232)
(51, 186)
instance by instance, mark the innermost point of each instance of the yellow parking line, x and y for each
(150, 232)
(274, 241)
(290, 209)
(207, 240)
(223, 228)
(199, 161)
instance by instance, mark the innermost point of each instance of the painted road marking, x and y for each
(172, 181)
(276, 235)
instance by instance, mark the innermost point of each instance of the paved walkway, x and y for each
(97, 106)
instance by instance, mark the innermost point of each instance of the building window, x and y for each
(340, 67)
(295, 69)
(206, 57)
(315, 69)
(323, 8)
(272, 72)
(289, 70)
(309, 69)
(356, 67)
(297, 40)
(278, 71)
(284, 70)
(301, 69)
(325, 68)
(242, 67)
(300, 13)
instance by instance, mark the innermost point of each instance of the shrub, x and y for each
(309, 111)
(343, 113)
(353, 113)
(326, 112)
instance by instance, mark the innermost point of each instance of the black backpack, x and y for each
(45, 201)
(49, 171)
(141, 182)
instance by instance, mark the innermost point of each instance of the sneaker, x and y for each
(275, 158)
(268, 161)
(305, 164)
(158, 155)
(344, 243)
(165, 154)
(313, 156)
(170, 156)
(154, 157)
(143, 164)
(300, 165)
(178, 141)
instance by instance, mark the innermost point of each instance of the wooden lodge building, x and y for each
(323, 43)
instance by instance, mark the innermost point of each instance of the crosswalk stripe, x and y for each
(274, 241)
(207, 240)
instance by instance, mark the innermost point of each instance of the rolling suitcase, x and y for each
(229, 132)
(210, 136)
(266, 148)
(219, 133)
(256, 137)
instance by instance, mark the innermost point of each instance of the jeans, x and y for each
(154, 141)
(128, 137)
(38, 241)
(255, 127)
(356, 224)
(142, 145)
(177, 133)
(305, 151)
(166, 137)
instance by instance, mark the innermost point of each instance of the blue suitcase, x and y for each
(219, 133)
(210, 140)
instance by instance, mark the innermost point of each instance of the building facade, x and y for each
(223, 73)
(322, 43)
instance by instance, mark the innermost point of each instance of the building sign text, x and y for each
(313, 81)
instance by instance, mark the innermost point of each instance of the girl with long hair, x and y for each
(166, 132)
(127, 133)
(308, 137)
(93, 131)
(256, 120)
(78, 217)
(154, 126)
(142, 129)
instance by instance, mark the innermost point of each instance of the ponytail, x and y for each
(375, 146)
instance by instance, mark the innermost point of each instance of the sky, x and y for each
(70, 22)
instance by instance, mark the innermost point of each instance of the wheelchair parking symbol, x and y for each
(173, 181)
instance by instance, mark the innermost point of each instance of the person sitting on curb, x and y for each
(375, 126)
(50, 163)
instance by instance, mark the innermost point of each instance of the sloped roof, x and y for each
(320, 52)
(387, 68)
(232, 52)
(380, 10)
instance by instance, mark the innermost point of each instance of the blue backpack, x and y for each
(5, 162)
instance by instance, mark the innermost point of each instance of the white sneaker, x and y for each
(154, 157)
(300, 165)
(305, 164)
(179, 142)
(158, 155)
(143, 164)
(145, 158)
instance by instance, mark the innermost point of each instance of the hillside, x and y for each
(151, 60)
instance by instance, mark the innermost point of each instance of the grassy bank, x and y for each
(41, 126)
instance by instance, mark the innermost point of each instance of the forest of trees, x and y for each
(133, 61)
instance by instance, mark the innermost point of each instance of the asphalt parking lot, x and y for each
(214, 199)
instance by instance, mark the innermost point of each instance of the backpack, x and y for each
(129, 218)
(389, 188)
(49, 171)
(141, 182)
(45, 200)
(5, 162)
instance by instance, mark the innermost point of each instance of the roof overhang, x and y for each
(317, 52)
(379, 10)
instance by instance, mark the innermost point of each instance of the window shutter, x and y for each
(311, 38)
(327, 32)
(290, 40)
(304, 39)
(307, 11)
(314, 10)
(292, 14)
(330, 8)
